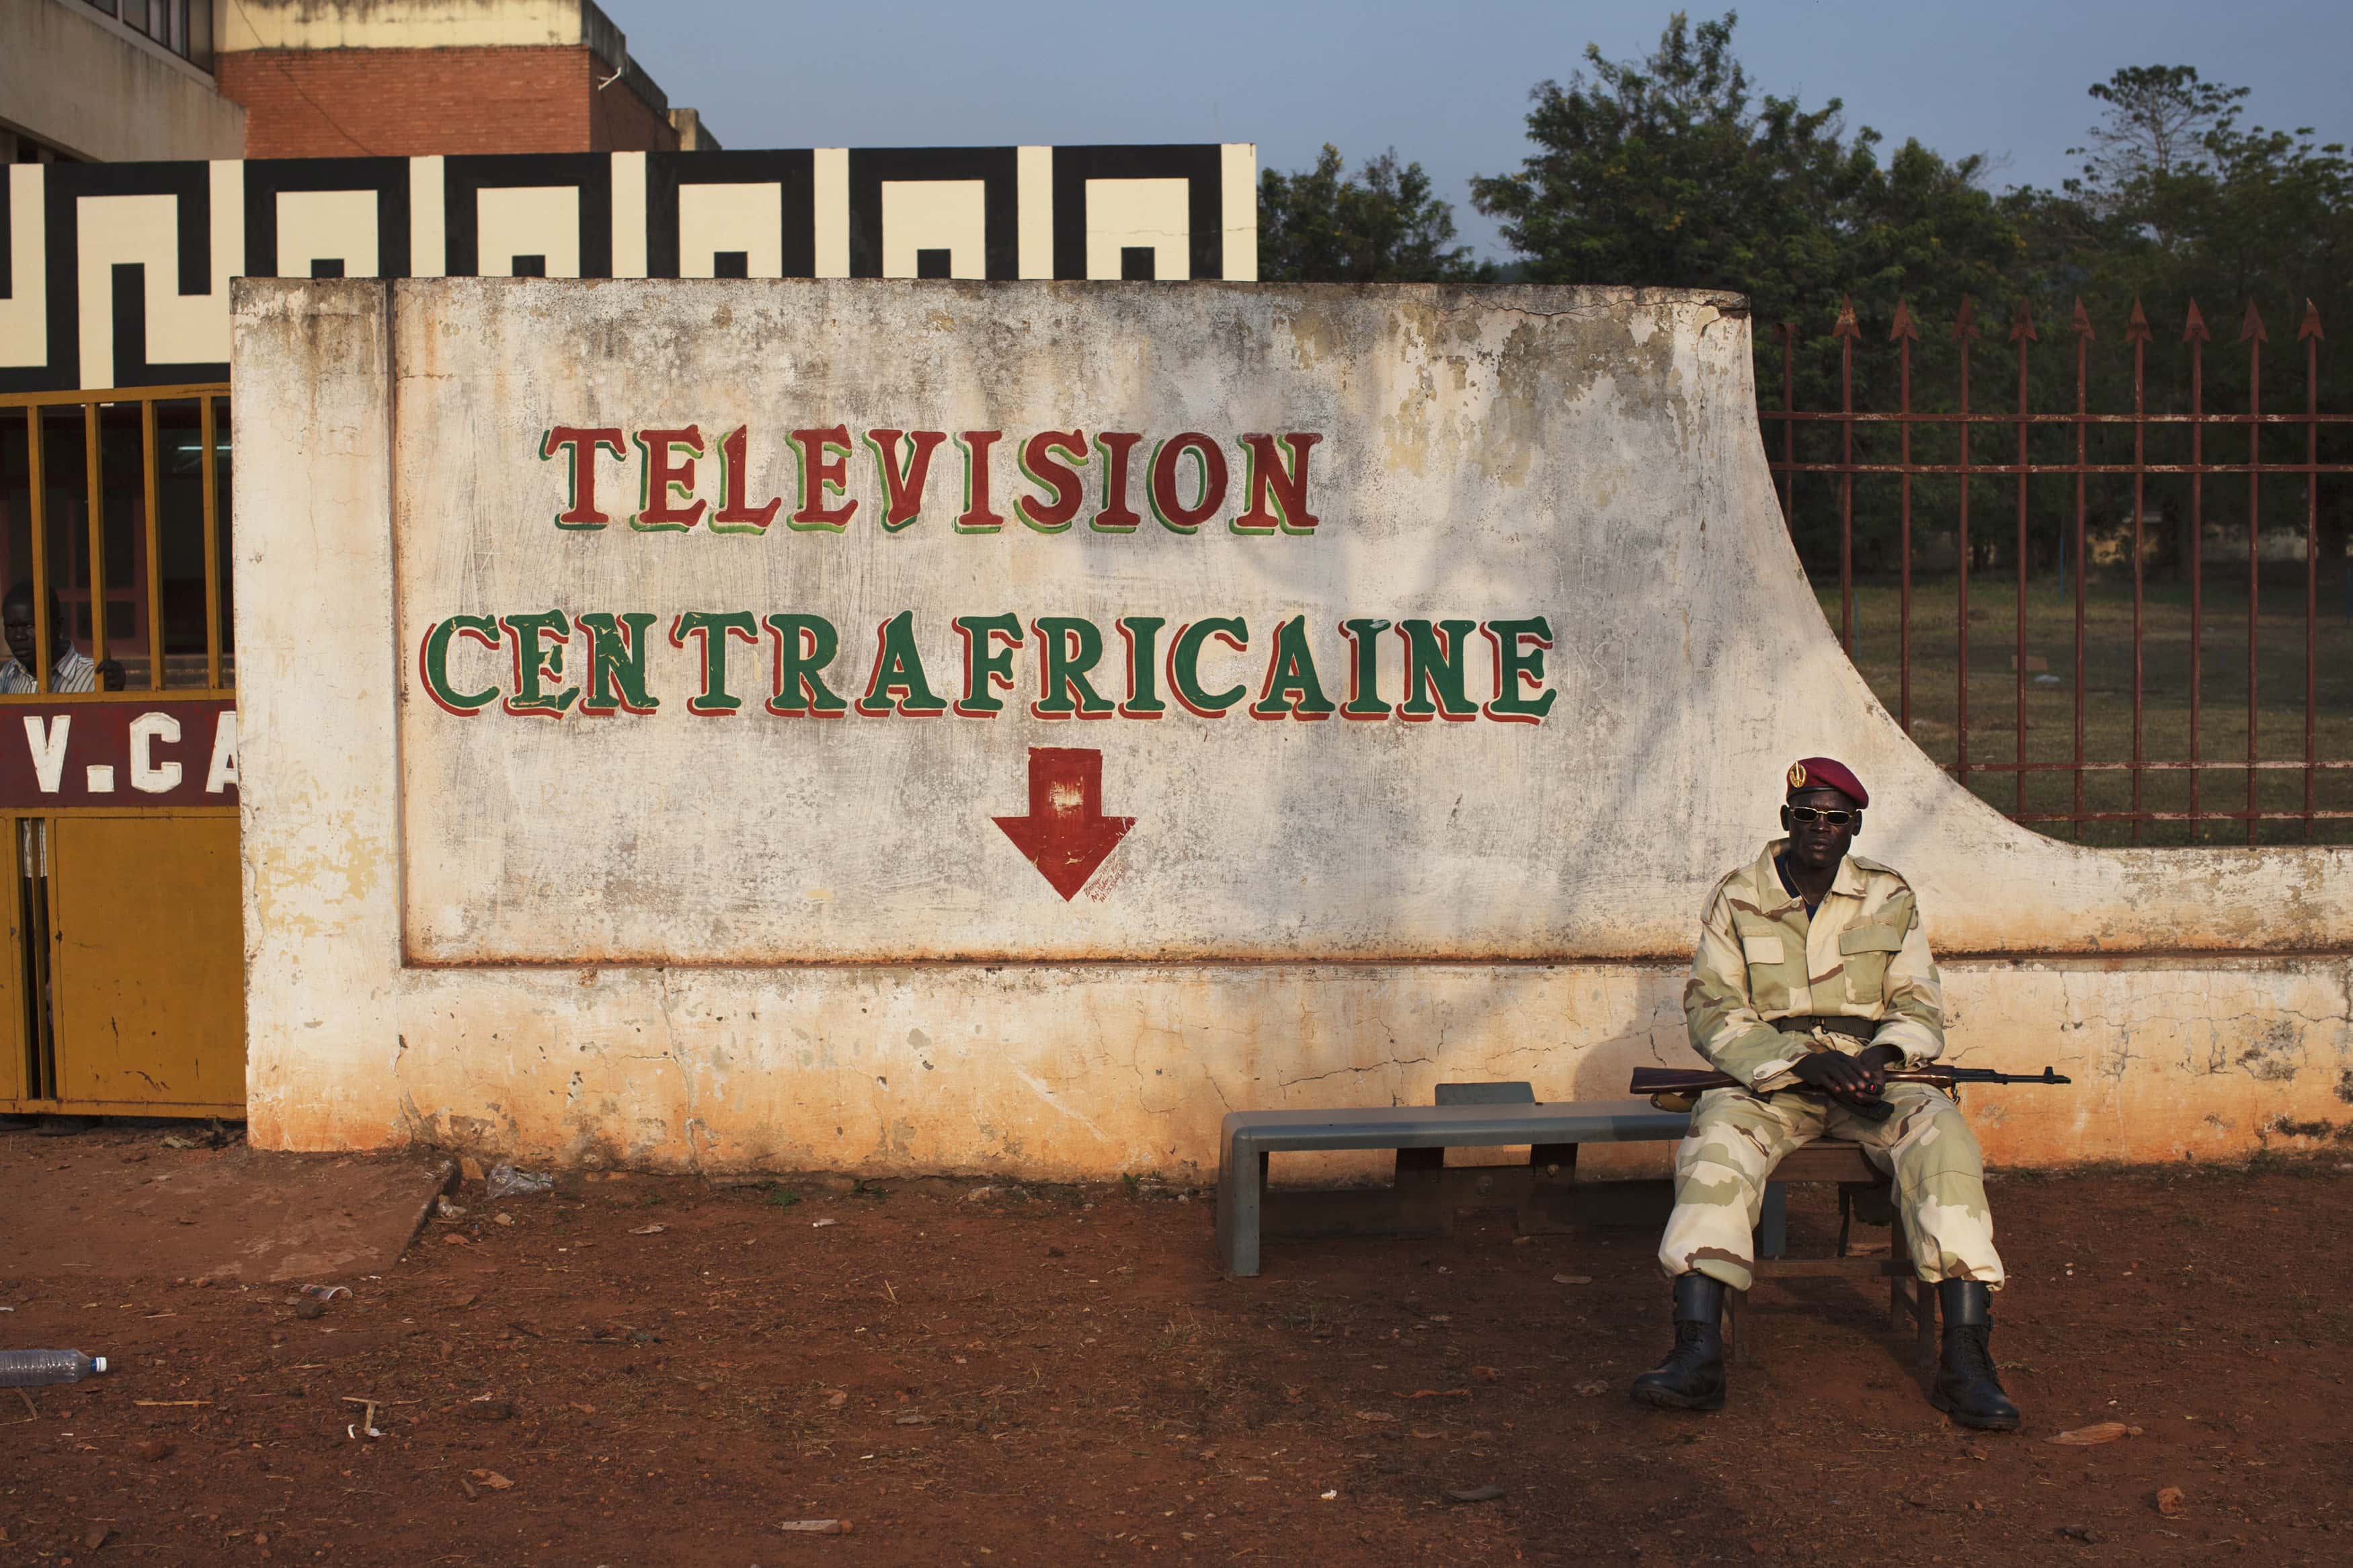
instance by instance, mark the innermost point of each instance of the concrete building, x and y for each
(420, 78)
(113, 81)
(134, 80)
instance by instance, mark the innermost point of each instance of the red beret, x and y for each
(1824, 773)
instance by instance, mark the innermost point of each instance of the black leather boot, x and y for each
(1691, 1377)
(1966, 1386)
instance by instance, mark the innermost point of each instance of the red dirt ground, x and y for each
(1061, 1376)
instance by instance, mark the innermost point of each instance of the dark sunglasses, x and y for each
(1817, 814)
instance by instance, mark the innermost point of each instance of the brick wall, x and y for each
(621, 122)
(323, 104)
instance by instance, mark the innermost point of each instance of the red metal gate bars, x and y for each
(2085, 488)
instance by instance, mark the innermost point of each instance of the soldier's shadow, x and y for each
(1839, 1330)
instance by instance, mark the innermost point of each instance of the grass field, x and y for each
(2107, 686)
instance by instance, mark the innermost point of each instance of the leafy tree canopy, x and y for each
(1675, 170)
(1382, 226)
(1670, 169)
(2176, 199)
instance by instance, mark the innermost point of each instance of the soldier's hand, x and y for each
(1876, 1061)
(1846, 1078)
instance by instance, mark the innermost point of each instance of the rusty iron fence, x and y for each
(2129, 482)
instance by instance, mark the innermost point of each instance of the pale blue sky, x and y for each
(1447, 85)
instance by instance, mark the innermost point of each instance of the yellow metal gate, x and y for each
(122, 982)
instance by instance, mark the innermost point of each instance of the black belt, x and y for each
(1854, 1028)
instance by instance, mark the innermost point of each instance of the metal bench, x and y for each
(1427, 1193)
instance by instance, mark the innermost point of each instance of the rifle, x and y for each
(1660, 1083)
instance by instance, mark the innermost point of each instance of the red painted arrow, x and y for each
(1066, 836)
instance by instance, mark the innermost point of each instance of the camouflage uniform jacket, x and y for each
(1862, 955)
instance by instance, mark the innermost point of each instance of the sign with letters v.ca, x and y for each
(120, 754)
(774, 623)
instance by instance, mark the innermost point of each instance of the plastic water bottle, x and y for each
(33, 1369)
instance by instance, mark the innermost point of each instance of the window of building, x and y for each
(15, 147)
(183, 27)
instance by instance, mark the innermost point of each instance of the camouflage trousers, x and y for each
(1736, 1137)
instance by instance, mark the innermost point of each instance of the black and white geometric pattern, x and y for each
(117, 274)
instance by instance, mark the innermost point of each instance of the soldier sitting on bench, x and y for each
(1813, 976)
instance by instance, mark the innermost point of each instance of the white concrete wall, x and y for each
(405, 23)
(605, 937)
(76, 81)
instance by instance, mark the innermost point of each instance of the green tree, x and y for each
(1665, 172)
(2178, 201)
(1673, 170)
(1382, 226)
(2157, 121)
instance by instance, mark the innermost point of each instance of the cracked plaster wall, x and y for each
(1693, 663)
(1072, 1072)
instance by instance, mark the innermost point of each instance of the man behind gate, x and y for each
(1812, 978)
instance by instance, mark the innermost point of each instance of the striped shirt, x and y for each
(73, 673)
